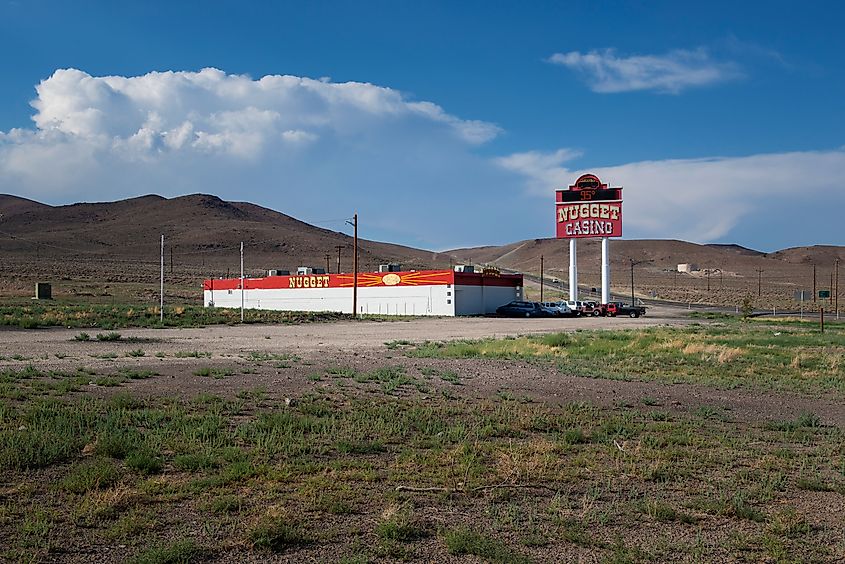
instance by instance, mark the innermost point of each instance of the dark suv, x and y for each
(522, 309)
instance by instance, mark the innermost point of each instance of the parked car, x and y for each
(559, 309)
(576, 307)
(614, 309)
(523, 309)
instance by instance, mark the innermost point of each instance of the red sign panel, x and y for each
(589, 209)
(596, 219)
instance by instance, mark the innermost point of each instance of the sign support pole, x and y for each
(573, 271)
(605, 270)
(161, 304)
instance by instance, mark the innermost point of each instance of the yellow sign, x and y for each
(309, 281)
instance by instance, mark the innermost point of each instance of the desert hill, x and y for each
(81, 247)
(202, 231)
(727, 273)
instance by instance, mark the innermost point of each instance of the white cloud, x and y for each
(310, 148)
(711, 199)
(604, 71)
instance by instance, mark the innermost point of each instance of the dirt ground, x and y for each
(365, 345)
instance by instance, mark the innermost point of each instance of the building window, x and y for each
(448, 301)
(448, 285)
(448, 293)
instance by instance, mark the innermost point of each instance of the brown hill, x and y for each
(85, 247)
(727, 275)
(120, 241)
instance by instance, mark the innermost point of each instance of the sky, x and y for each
(442, 124)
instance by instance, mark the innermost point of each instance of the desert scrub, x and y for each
(770, 356)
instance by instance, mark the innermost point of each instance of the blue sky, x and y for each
(443, 124)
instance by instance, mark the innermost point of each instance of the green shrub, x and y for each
(110, 336)
(91, 475)
(145, 462)
(277, 535)
(178, 552)
(466, 541)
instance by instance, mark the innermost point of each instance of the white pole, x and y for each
(242, 282)
(573, 271)
(605, 270)
(161, 304)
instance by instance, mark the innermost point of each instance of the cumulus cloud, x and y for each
(605, 71)
(788, 198)
(312, 148)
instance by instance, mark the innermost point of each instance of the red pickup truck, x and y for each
(614, 309)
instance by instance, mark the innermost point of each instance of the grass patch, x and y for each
(110, 336)
(770, 356)
(89, 476)
(535, 478)
(277, 535)
(176, 552)
(466, 541)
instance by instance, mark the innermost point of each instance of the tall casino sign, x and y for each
(589, 208)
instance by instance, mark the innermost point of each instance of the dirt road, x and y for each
(290, 360)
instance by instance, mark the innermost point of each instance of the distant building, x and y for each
(688, 267)
(421, 292)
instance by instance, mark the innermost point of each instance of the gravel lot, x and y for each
(362, 345)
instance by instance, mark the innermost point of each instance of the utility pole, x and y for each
(836, 287)
(830, 299)
(242, 282)
(541, 278)
(328, 270)
(171, 260)
(707, 273)
(354, 224)
(339, 248)
(161, 304)
(759, 281)
(814, 283)
(355, 269)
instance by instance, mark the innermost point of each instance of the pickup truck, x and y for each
(614, 309)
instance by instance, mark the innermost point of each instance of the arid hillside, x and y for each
(727, 273)
(119, 242)
(112, 251)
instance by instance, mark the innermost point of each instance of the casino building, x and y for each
(461, 291)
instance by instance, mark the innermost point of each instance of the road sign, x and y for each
(824, 293)
(803, 295)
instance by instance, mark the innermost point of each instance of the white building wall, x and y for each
(385, 300)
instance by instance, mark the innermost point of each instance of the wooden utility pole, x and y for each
(161, 304)
(814, 283)
(830, 299)
(355, 270)
(339, 248)
(242, 282)
(328, 270)
(354, 224)
(759, 282)
(836, 288)
(541, 278)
